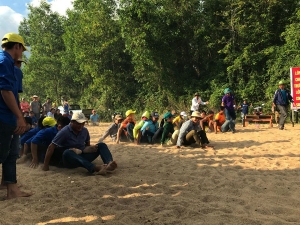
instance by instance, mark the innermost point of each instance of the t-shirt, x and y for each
(47, 106)
(168, 128)
(220, 117)
(29, 134)
(228, 101)
(245, 108)
(94, 118)
(66, 138)
(45, 136)
(35, 106)
(126, 122)
(283, 93)
(8, 82)
(24, 106)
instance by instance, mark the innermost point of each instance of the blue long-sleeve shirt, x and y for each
(152, 126)
(282, 97)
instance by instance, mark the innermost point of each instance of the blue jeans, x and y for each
(230, 114)
(229, 124)
(72, 160)
(129, 129)
(8, 157)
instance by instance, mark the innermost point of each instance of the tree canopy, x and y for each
(154, 54)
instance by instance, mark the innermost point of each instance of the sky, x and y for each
(12, 12)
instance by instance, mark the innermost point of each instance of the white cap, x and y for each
(183, 114)
(79, 117)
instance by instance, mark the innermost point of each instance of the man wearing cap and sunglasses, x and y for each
(11, 118)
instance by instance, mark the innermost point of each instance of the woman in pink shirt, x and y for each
(24, 105)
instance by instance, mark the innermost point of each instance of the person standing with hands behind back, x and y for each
(196, 101)
(11, 118)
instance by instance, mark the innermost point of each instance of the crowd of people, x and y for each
(61, 139)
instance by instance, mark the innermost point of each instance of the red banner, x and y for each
(295, 86)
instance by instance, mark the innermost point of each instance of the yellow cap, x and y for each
(12, 37)
(128, 112)
(49, 121)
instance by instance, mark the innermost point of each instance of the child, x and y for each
(245, 110)
(33, 118)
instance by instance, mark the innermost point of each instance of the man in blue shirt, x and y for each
(43, 139)
(94, 118)
(75, 139)
(281, 101)
(11, 118)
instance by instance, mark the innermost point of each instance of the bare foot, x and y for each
(111, 166)
(207, 147)
(13, 191)
(101, 170)
(22, 159)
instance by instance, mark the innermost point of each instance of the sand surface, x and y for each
(253, 177)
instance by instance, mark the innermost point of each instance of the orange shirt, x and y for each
(220, 117)
(126, 122)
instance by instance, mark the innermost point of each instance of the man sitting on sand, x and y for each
(75, 139)
(113, 129)
(191, 133)
(207, 120)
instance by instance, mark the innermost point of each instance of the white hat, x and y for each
(183, 114)
(79, 117)
(35, 96)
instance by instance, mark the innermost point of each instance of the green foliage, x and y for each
(154, 54)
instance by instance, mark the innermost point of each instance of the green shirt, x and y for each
(168, 128)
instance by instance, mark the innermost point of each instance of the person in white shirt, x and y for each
(51, 113)
(196, 101)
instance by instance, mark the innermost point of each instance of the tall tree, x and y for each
(43, 30)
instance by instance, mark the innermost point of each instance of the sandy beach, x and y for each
(252, 177)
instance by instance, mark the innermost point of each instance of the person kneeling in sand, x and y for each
(191, 132)
(75, 139)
